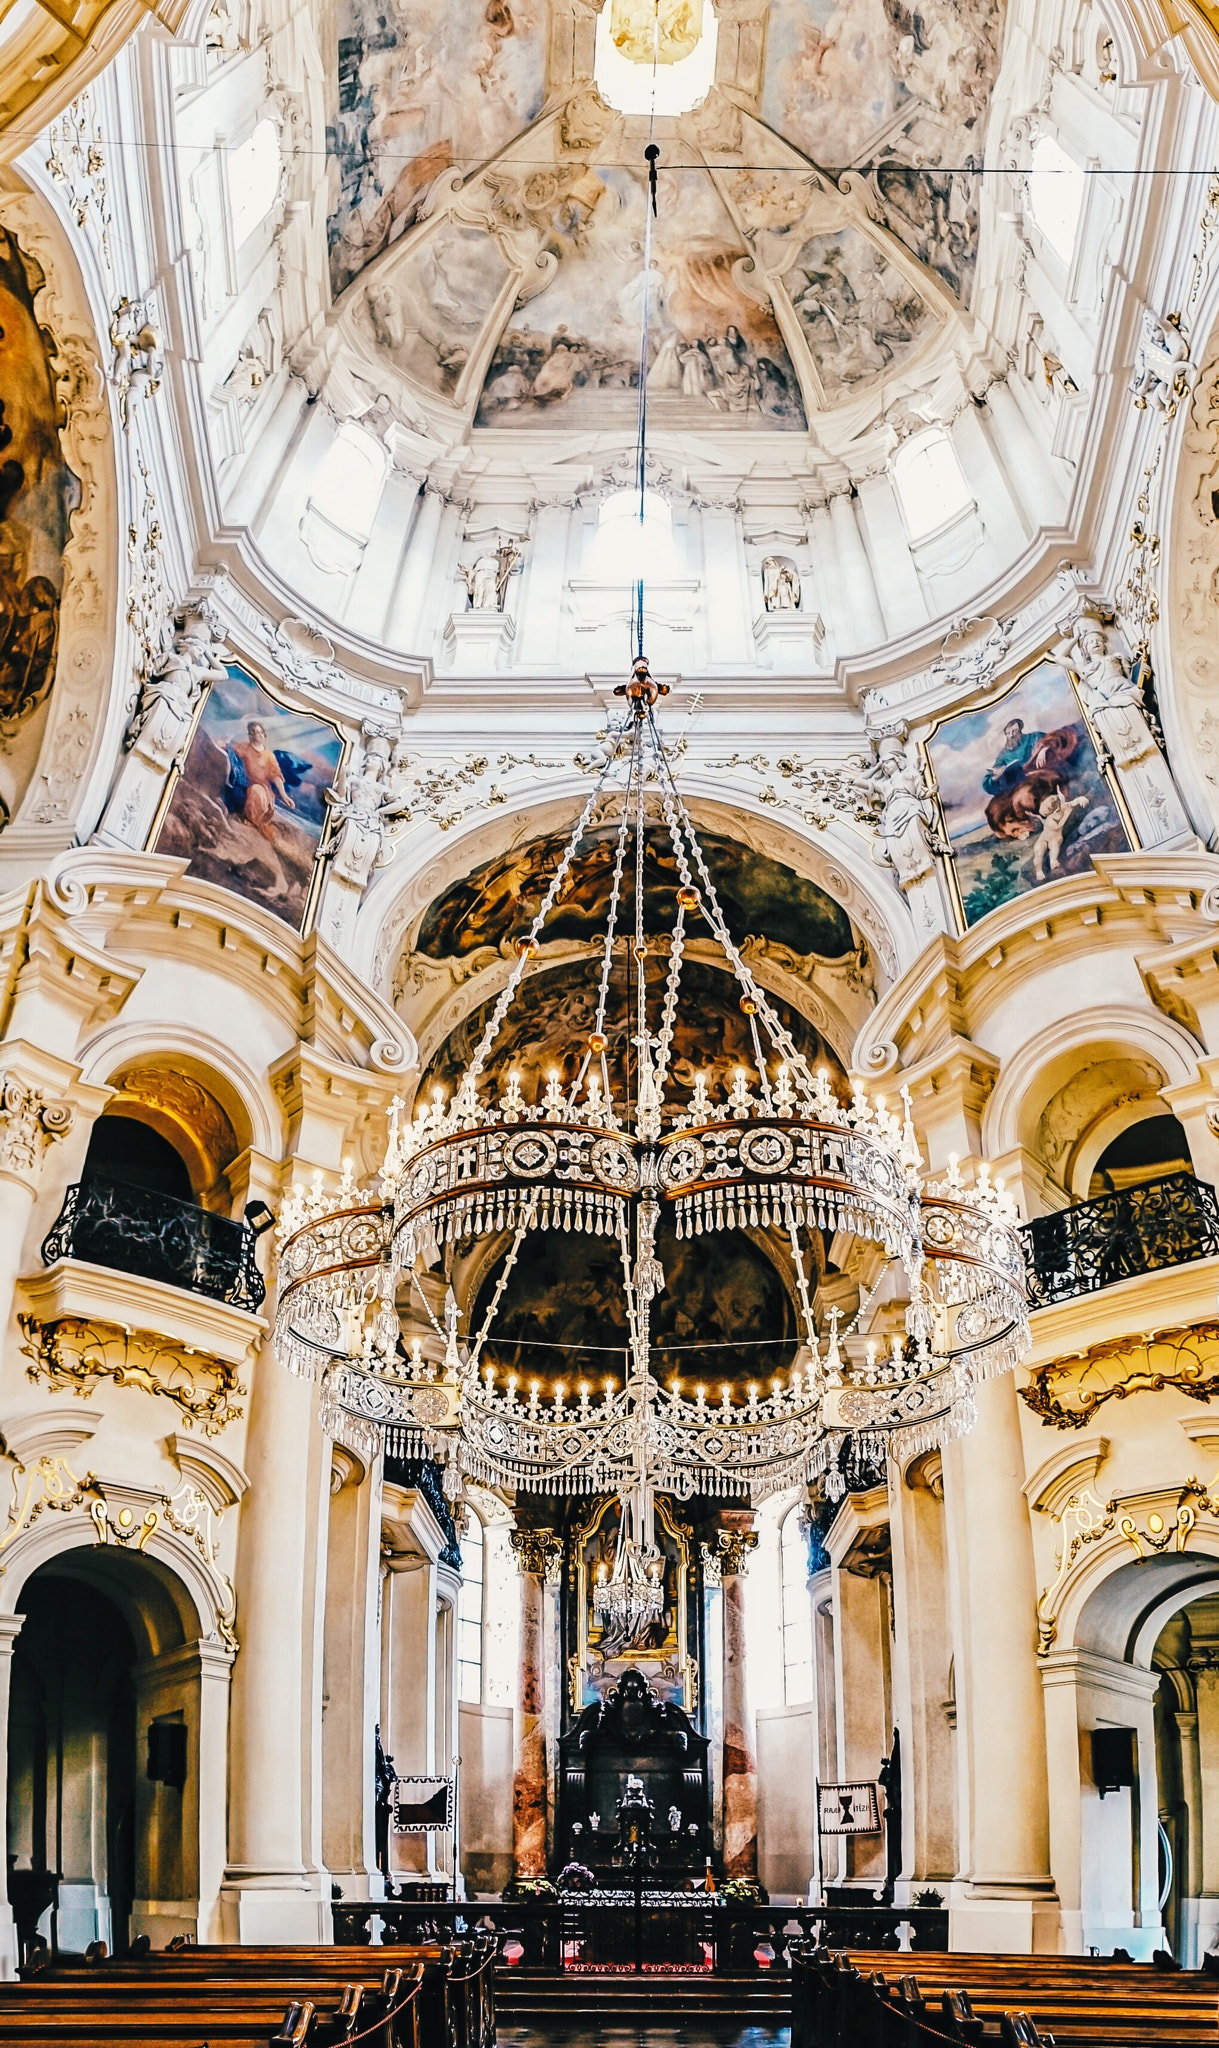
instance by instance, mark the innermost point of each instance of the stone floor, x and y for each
(692, 2033)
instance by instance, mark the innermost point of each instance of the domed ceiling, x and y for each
(816, 224)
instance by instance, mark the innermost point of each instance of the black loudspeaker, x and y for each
(1114, 1758)
(167, 1753)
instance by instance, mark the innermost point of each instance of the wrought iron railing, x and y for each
(111, 1223)
(1158, 1223)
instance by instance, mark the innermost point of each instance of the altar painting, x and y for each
(1024, 797)
(660, 1653)
(248, 810)
(38, 494)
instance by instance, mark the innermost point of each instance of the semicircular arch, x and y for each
(239, 1090)
(1049, 1060)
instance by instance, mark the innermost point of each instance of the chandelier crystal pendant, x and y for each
(609, 1157)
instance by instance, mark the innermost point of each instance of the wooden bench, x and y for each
(308, 1997)
(840, 2001)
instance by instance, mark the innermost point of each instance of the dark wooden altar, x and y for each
(631, 1732)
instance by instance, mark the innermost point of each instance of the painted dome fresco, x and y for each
(816, 223)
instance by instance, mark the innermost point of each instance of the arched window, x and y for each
(797, 1616)
(627, 547)
(930, 483)
(254, 171)
(470, 1613)
(344, 501)
(1056, 194)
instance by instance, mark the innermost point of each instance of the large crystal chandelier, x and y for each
(780, 1153)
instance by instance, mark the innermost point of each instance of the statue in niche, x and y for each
(174, 688)
(1112, 695)
(892, 790)
(486, 578)
(780, 584)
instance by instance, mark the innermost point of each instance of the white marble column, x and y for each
(899, 591)
(541, 603)
(408, 601)
(351, 1679)
(867, 626)
(10, 1629)
(408, 1690)
(922, 1655)
(1008, 1901)
(267, 1894)
(729, 639)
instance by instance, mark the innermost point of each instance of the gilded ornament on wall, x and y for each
(78, 1354)
(1067, 1393)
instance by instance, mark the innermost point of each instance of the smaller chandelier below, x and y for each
(629, 1599)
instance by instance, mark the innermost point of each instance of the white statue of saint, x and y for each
(892, 789)
(170, 696)
(1112, 697)
(358, 803)
(486, 578)
(780, 584)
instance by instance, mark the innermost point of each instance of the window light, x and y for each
(797, 1614)
(1056, 194)
(350, 481)
(470, 1613)
(930, 483)
(627, 547)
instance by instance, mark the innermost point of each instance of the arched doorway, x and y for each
(1125, 1713)
(72, 1761)
(115, 1752)
(1187, 1774)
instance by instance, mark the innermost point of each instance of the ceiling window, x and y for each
(254, 172)
(344, 501)
(1056, 194)
(655, 60)
(797, 1613)
(930, 483)
(470, 1613)
(627, 547)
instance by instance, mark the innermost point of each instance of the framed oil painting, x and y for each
(1024, 797)
(248, 808)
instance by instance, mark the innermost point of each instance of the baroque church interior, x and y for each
(609, 947)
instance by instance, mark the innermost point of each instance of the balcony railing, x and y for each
(110, 1223)
(1143, 1229)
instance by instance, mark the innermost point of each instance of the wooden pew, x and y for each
(306, 1997)
(840, 2001)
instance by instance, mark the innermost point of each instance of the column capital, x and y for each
(537, 1551)
(730, 1555)
(32, 1116)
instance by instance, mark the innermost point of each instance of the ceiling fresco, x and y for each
(547, 1028)
(563, 1315)
(488, 208)
(423, 86)
(572, 355)
(760, 897)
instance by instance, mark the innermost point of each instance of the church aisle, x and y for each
(695, 2033)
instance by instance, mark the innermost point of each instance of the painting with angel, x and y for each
(1024, 795)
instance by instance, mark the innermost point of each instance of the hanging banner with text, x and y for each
(848, 1809)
